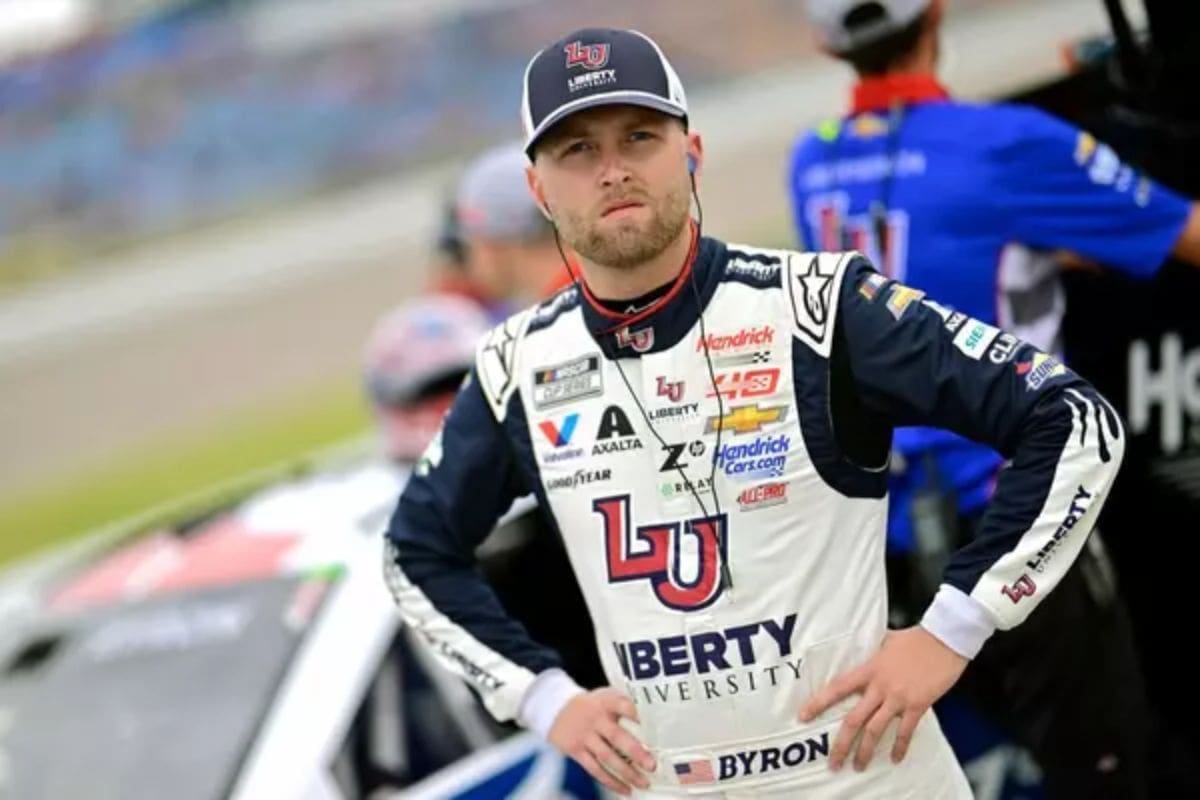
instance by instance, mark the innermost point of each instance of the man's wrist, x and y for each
(958, 621)
(545, 698)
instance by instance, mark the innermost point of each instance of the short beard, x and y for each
(630, 245)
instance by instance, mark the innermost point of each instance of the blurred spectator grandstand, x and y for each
(159, 114)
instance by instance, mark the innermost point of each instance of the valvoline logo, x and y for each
(559, 436)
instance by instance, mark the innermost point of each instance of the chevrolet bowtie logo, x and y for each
(747, 419)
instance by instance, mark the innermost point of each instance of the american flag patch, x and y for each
(871, 286)
(699, 771)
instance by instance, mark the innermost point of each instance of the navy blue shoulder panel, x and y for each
(757, 270)
(814, 381)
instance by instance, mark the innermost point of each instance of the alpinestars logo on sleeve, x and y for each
(497, 362)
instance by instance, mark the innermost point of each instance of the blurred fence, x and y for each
(192, 114)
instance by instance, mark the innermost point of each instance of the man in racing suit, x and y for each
(708, 427)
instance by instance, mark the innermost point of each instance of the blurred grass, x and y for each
(159, 471)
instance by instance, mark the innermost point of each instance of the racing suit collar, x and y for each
(667, 320)
(880, 93)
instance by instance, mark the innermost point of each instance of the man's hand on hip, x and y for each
(588, 730)
(909, 673)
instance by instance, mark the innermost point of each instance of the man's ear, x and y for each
(535, 189)
(695, 153)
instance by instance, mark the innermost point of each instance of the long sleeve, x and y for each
(464, 483)
(917, 363)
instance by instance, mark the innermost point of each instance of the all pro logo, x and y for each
(655, 553)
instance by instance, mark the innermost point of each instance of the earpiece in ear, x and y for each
(691, 164)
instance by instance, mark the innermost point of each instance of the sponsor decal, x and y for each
(669, 489)
(742, 359)
(559, 435)
(640, 340)
(746, 384)
(473, 672)
(590, 80)
(815, 288)
(747, 419)
(955, 321)
(615, 433)
(765, 457)
(712, 664)
(870, 287)
(672, 390)
(431, 457)
(1079, 505)
(581, 477)
(745, 338)
(674, 412)
(563, 383)
(588, 56)
(764, 496)
(975, 338)
(1040, 369)
(1025, 586)
(901, 297)
(754, 269)
(644, 554)
(674, 459)
(1003, 348)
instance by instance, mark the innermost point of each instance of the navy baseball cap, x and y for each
(597, 67)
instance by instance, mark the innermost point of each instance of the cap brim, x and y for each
(621, 98)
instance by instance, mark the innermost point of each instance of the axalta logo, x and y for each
(746, 337)
(747, 419)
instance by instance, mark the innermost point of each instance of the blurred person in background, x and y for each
(980, 204)
(416, 358)
(509, 247)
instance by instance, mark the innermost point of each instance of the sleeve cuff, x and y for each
(960, 621)
(550, 691)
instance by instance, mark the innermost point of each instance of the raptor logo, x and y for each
(657, 553)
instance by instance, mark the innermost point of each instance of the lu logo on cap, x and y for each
(591, 56)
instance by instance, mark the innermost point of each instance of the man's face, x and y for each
(616, 182)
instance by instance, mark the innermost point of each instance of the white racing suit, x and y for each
(720, 486)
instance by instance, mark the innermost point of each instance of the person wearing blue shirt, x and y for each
(981, 205)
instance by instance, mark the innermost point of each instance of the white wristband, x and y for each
(545, 698)
(960, 621)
